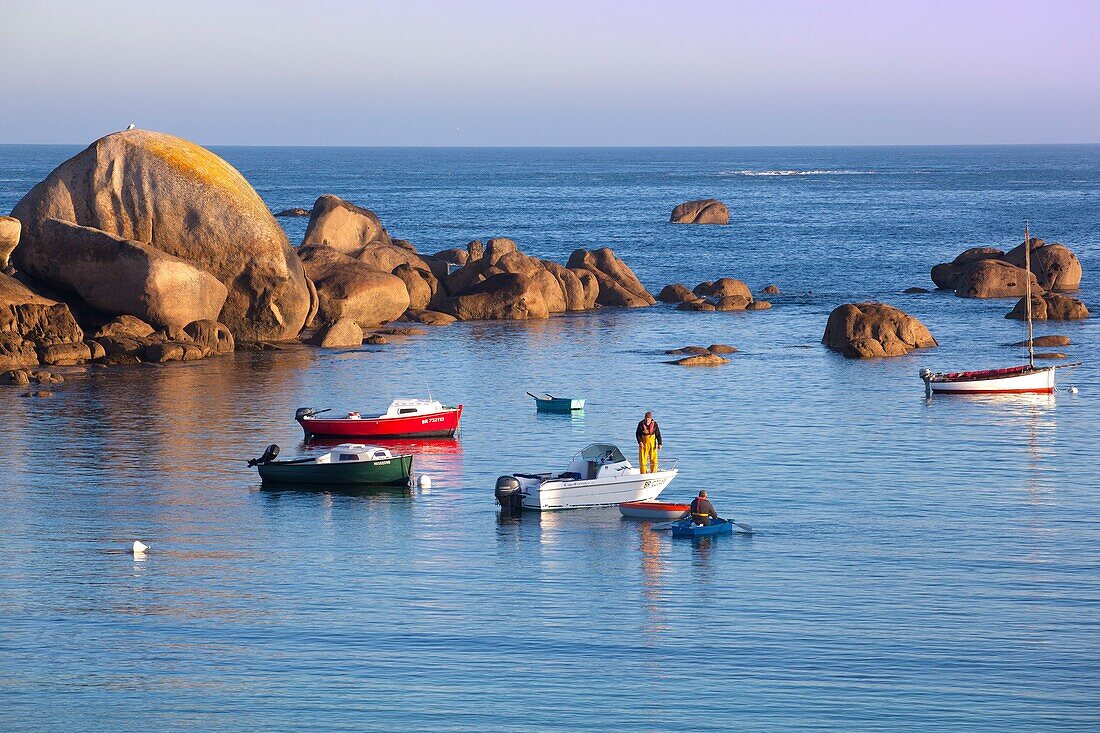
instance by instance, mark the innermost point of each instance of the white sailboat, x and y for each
(1023, 379)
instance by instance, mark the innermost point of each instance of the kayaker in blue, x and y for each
(702, 511)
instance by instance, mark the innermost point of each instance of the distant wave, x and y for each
(814, 172)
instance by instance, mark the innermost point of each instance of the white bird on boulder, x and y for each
(131, 126)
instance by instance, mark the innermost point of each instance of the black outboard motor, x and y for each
(270, 454)
(302, 412)
(509, 495)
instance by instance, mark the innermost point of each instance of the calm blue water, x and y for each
(918, 565)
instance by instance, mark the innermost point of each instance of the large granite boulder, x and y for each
(676, 293)
(507, 296)
(946, 274)
(703, 211)
(210, 335)
(867, 330)
(343, 226)
(1050, 307)
(122, 276)
(9, 238)
(184, 201)
(994, 279)
(344, 333)
(619, 286)
(1054, 265)
(724, 287)
(348, 288)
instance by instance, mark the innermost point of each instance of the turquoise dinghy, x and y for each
(686, 528)
(549, 403)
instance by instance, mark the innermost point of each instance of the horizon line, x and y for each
(593, 147)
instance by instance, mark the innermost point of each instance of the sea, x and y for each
(918, 564)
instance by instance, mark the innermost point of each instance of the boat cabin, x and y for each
(355, 452)
(600, 460)
(413, 407)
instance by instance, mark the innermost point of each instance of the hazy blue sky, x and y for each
(482, 72)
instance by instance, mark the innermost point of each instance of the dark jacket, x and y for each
(640, 432)
(703, 507)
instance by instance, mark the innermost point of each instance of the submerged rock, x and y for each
(770, 290)
(701, 360)
(296, 212)
(703, 211)
(721, 349)
(1045, 341)
(915, 291)
(868, 330)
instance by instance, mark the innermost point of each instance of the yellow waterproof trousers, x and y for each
(647, 454)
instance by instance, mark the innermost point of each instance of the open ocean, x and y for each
(919, 565)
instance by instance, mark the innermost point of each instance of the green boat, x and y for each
(348, 464)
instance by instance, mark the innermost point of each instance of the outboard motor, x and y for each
(270, 454)
(302, 412)
(509, 495)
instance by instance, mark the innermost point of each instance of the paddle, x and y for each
(533, 396)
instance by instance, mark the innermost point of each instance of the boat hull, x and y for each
(442, 424)
(582, 494)
(658, 511)
(394, 471)
(999, 381)
(687, 529)
(558, 404)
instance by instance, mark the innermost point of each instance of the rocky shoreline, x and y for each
(147, 248)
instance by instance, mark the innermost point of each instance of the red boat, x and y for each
(653, 510)
(403, 419)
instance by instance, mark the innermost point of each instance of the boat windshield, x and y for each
(603, 452)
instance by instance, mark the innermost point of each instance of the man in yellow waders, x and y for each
(649, 442)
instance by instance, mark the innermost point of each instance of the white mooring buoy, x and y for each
(140, 547)
(424, 481)
(1073, 389)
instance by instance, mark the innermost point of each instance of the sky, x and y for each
(486, 72)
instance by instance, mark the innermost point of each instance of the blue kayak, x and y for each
(686, 528)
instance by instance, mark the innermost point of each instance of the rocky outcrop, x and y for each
(994, 279)
(724, 294)
(344, 226)
(342, 334)
(867, 330)
(32, 325)
(348, 288)
(9, 238)
(1053, 266)
(770, 289)
(506, 296)
(703, 211)
(618, 284)
(120, 276)
(457, 257)
(723, 288)
(184, 201)
(1050, 307)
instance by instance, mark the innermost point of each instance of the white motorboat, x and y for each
(599, 475)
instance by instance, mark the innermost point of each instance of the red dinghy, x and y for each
(403, 419)
(654, 510)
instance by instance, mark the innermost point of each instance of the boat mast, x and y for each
(1027, 280)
